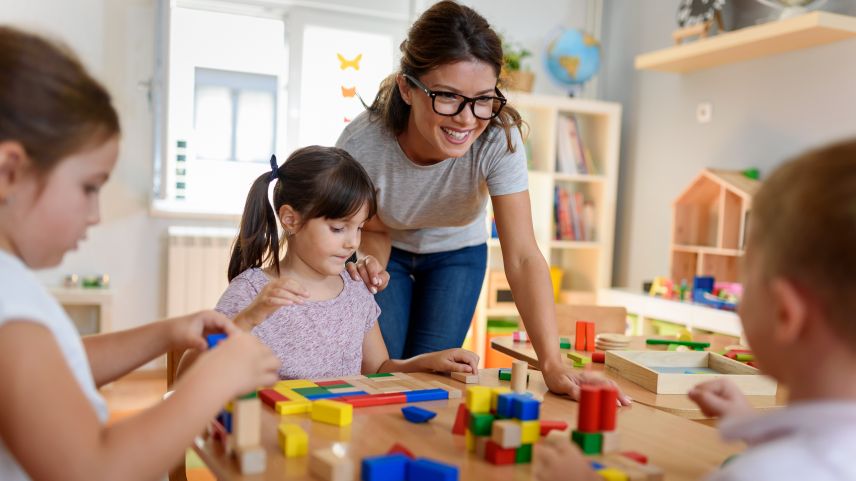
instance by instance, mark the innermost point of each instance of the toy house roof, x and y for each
(709, 181)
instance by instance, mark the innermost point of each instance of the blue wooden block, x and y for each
(416, 414)
(503, 405)
(426, 395)
(315, 397)
(596, 466)
(525, 408)
(225, 418)
(343, 394)
(392, 467)
(213, 339)
(427, 470)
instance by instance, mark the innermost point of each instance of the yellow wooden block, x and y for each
(612, 474)
(332, 412)
(494, 394)
(478, 399)
(470, 441)
(294, 383)
(293, 440)
(229, 406)
(293, 407)
(530, 431)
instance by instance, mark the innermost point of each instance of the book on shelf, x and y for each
(574, 216)
(572, 155)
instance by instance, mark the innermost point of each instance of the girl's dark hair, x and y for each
(445, 33)
(48, 102)
(316, 182)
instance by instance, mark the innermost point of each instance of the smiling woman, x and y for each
(437, 141)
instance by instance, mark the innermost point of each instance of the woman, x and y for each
(437, 141)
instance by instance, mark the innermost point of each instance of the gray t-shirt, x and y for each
(440, 207)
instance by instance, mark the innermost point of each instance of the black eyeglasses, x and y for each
(450, 104)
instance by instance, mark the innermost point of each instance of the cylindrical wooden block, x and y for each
(519, 371)
(608, 407)
(589, 410)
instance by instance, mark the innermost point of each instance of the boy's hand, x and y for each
(452, 360)
(719, 398)
(555, 458)
(241, 363)
(188, 332)
(560, 381)
(275, 294)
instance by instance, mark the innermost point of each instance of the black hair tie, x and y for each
(274, 170)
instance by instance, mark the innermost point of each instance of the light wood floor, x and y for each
(134, 392)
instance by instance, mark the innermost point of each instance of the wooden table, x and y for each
(677, 404)
(684, 449)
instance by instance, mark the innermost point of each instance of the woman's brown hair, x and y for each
(316, 182)
(48, 102)
(445, 33)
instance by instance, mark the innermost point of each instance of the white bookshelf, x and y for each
(587, 264)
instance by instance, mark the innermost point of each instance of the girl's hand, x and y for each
(275, 294)
(369, 270)
(560, 381)
(241, 363)
(556, 458)
(720, 398)
(188, 332)
(452, 360)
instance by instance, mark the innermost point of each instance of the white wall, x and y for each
(763, 112)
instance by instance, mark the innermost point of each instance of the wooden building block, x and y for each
(251, 459)
(478, 399)
(608, 408)
(331, 464)
(400, 448)
(494, 396)
(247, 422)
(270, 397)
(383, 468)
(530, 431)
(519, 373)
(480, 423)
(332, 412)
(495, 454)
(453, 393)
(469, 441)
(611, 442)
(294, 383)
(293, 440)
(589, 443)
(523, 454)
(590, 341)
(506, 433)
(481, 446)
(588, 420)
(613, 474)
(547, 426)
(294, 407)
(423, 469)
(462, 420)
(580, 338)
(465, 377)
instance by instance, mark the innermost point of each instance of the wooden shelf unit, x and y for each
(807, 30)
(709, 227)
(587, 265)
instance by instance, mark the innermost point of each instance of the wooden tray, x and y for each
(676, 372)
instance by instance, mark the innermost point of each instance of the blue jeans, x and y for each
(430, 299)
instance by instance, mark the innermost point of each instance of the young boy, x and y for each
(799, 316)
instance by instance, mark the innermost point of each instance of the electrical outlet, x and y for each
(704, 112)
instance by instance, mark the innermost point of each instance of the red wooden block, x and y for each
(495, 454)
(366, 400)
(330, 383)
(608, 407)
(598, 357)
(547, 426)
(399, 448)
(589, 410)
(462, 420)
(638, 457)
(589, 336)
(580, 340)
(271, 397)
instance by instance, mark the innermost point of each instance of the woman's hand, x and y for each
(277, 293)
(720, 398)
(370, 271)
(562, 381)
(452, 360)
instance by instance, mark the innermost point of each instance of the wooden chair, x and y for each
(179, 471)
(609, 319)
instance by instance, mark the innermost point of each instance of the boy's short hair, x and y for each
(804, 227)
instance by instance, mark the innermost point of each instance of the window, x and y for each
(243, 82)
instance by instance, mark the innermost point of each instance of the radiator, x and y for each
(197, 260)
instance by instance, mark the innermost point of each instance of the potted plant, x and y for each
(518, 78)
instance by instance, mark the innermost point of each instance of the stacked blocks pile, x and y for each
(499, 425)
(595, 433)
(400, 467)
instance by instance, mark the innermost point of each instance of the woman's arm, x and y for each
(376, 358)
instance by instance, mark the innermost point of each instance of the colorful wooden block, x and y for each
(590, 342)
(270, 397)
(453, 393)
(598, 357)
(293, 440)
(608, 408)
(495, 454)
(564, 343)
(462, 420)
(504, 404)
(366, 400)
(294, 383)
(251, 459)
(525, 408)
(613, 474)
(294, 407)
(636, 456)
(400, 448)
(465, 377)
(506, 433)
(310, 391)
(611, 442)
(427, 395)
(580, 338)
(379, 375)
(247, 422)
(213, 339)
(523, 454)
(332, 383)
(331, 464)
(478, 399)
(547, 426)
(481, 446)
(332, 412)
(589, 410)
(519, 376)
(480, 423)
(391, 467)
(494, 396)
(417, 415)
(530, 431)
(427, 470)
(589, 443)
(578, 358)
(469, 441)
(504, 374)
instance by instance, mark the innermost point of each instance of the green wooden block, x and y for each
(564, 343)
(380, 374)
(745, 357)
(589, 443)
(337, 386)
(481, 424)
(505, 375)
(303, 391)
(249, 395)
(523, 454)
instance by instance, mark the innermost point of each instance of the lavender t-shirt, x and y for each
(314, 340)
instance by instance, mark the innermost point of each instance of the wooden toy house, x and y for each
(709, 228)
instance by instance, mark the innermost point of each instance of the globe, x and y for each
(572, 57)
